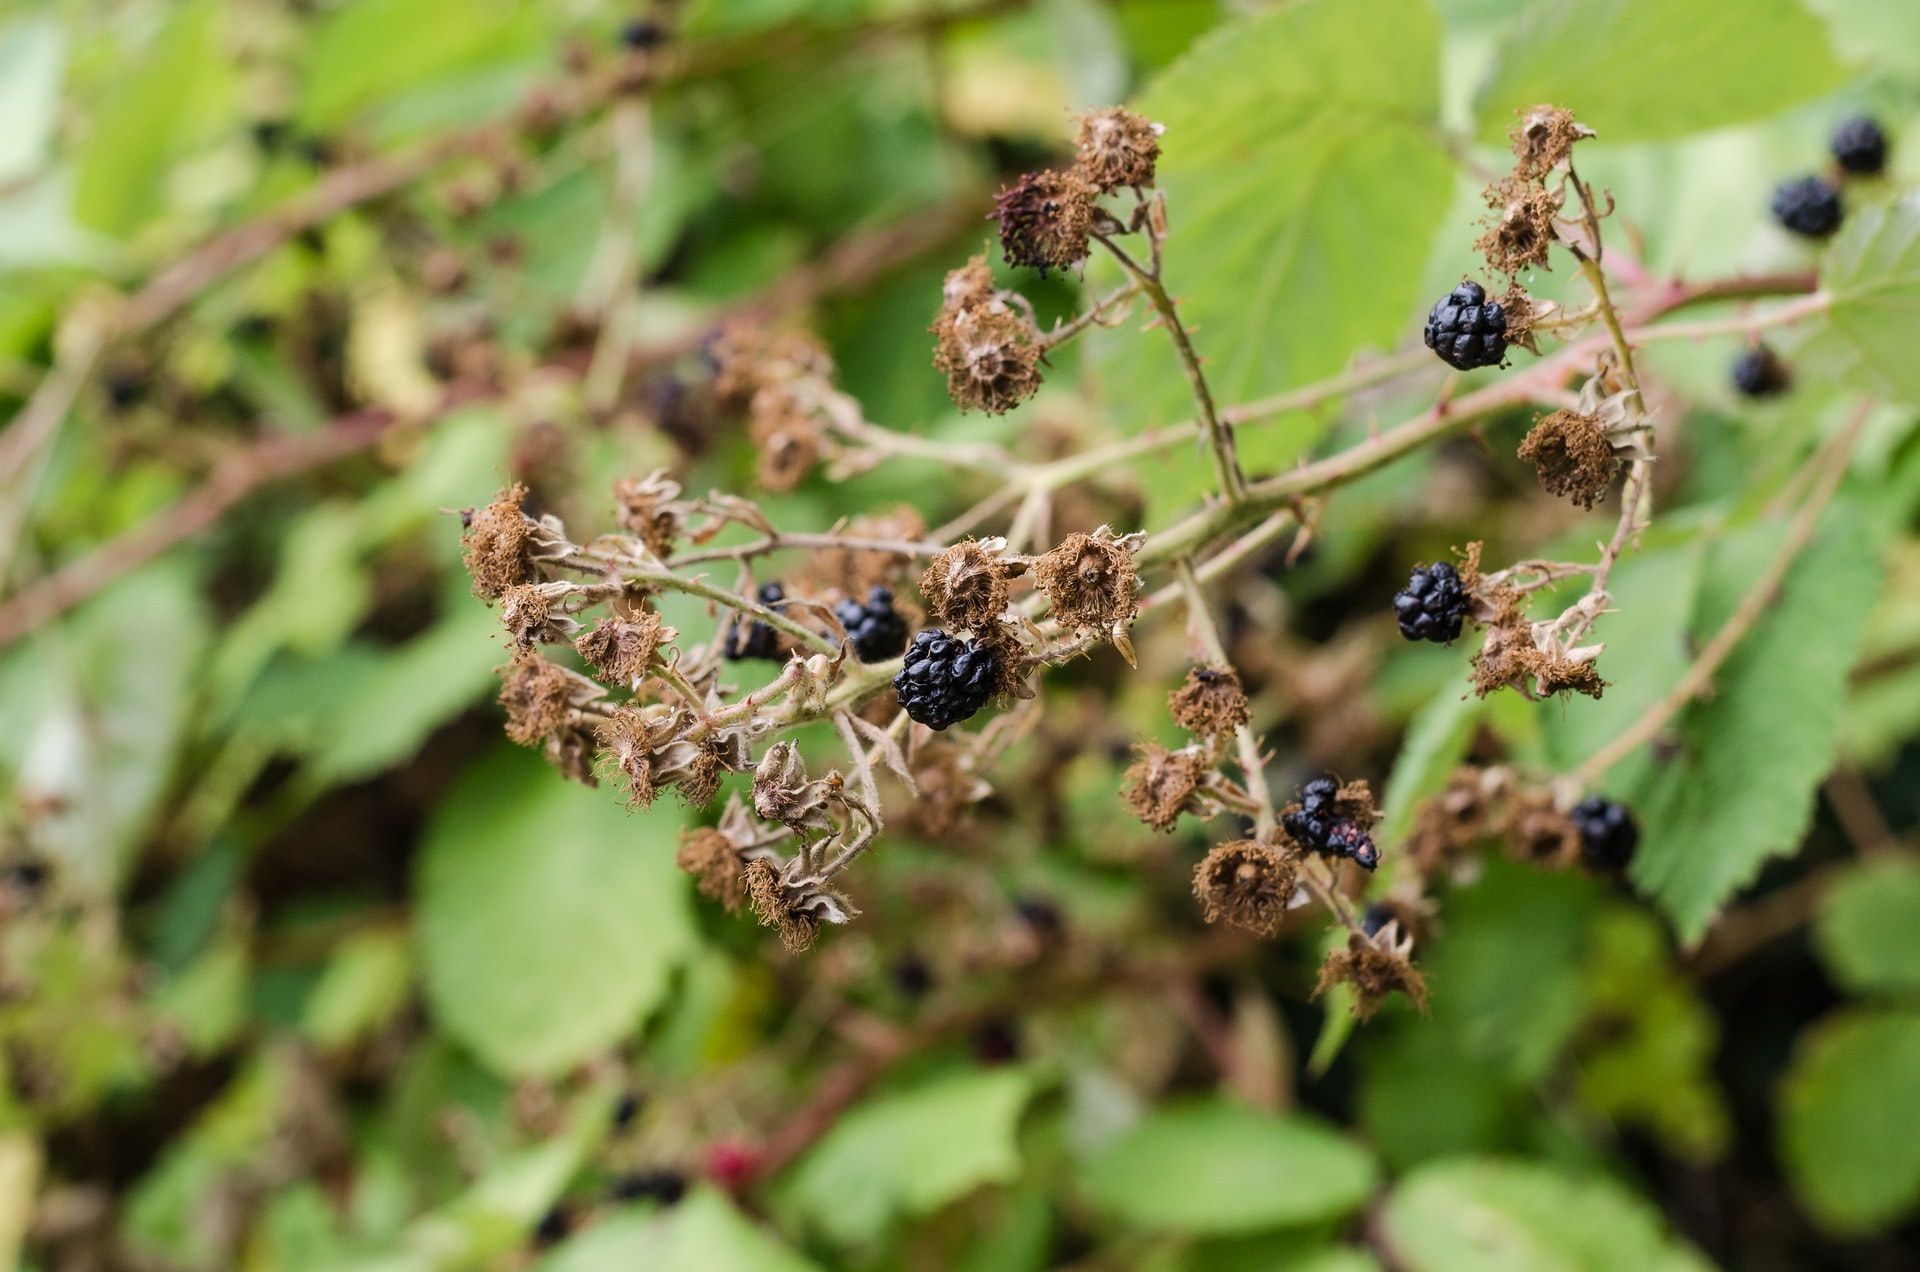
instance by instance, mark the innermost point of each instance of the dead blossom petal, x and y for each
(1117, 148)
(1089, 579)
(1210, 702)
(1161, 784)
(1375, 968)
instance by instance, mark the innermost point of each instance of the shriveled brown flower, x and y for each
(1117, 148)
(538, 696)
(1159, 786)
(786, 435)
(715, 864)
(1046, 219)
(650, 508)
(1210, 702)
(1446, 824)
(1572, 455)
(797, 928)
(966, 586)
(749, 357)
(1509, 657)
(1089, 579)
(989, 350)
(1541, 833)
(1246, 883)
(646, 749)
(1521, 229)
(855, 572)
(1374, 968)
(495, 548)
(620, 648)
(1543, 138)
(944, 786)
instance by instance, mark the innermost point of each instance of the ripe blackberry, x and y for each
(1317, 825)
(1433, 604)
(911, 976)
(753, 638)
(876, 631)
(1466, 329)
(1608, 833)
(1808, 206)
(1759, 372)
(945, 679)
(1860, 147)
(664, 1186)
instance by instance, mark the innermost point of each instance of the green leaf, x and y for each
(1640, 70)
(1868, 928)
(704, 1233)
(1303, 184)
(1437, 741)
(1741, 789)
(369, 49)
(33, 53)
(1872, 271)
(1847, 1112)
(1220, 1169)
(1492, 1216)
(365, 983)
(549, 917)
(911, 1153)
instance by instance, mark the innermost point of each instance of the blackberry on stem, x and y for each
(945, 679)
(1808, 206)
(1759, 372)
(1318, 825)
(753, 638)
(1608, 833)
(1466, 329)
(1433, 604)
(1860, 147)
(876, 631)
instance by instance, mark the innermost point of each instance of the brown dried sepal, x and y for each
(650, 509)
(1160, 785)
(989, 351)
(786, 436)
(966, 586)
(714, 862)
(1521, 230)
(1573, 457)
(621, 648)
(1089, 579)
(1210, 702)
(770, 902)
(1046, 219)
(1543, 138)
(1375, 969)
(1116, 148)
(1447, 824)
(1540, 833)
(1246, 883)
(1509, 657)
(495, 545)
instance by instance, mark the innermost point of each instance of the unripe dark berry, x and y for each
(1317, 826)
(1860, 147)
(1808, 206)
(1608, 834)
(1466, 329)
(877, 633)
(1759, 372)
(944, 679)
(1433, 604)
(753, 638)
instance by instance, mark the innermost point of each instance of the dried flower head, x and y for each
(1375, 967)
(620, 648)
(749, 357)
(539, 697)
(786, 435)
(772, 903)
(1521, 228)
(1541, 833)
(1089, 579)
(1572, 455)
(1510, 656)
(1446, 824)
(1246, 883)
(966, 586)
(715, 863)
(783, 793)
(1543, 138)
(855, 572)
(1210, 702)
(1160, 785)
(944, 785)
(1117, 148)
(495, 545)
(650, 508)
(526, 611)
(1045, 220)
(645, 748)
(988, 349)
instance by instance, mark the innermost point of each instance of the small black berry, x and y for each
(1808, 206)
(1319, 794)
(997, 1041)
(642, 33)
(1759, 372)
(1350, 839)
(1860, 147)
(1466, 329)
(553, 1227)
(1375, 918)
(1433, 605)
(876, 631)
(1041, 915)
(945, 679)
(1317, 826)
(1608, 834)
(753, 638)
(663, 1186)
(626, 1110)
(911, 976)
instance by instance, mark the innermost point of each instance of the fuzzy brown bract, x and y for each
(1116, 148)
(1160, 784)
(714, 862)
(495, 545)
(621, 648)
(1247, 884)
(771, 904)
(1573, 457)
(1089, 579)
(966, 586)
(1521, 229)
(1375, 968)
(1210, 702)
(989, 351)
(1543, 139)
(1046, 220)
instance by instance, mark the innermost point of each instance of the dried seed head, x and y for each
(1509, 657)
(650, 509)
(1543, 138)
(1210, 702)
(621, 648)
(1375, 968)
(944, 784)
(1247, 884)
(1540, 833)
(1522, 227)
(714, 862)
(1089, 579)
(1117, 148)
(786, 435)
(1160, 784)
(539, 698)
(1572, 455)
(526, 612)
(966, 586)
(495, 545)
(749, 357)
(855, 572)
(1045, 220)
(1447, 824)
(642, 747)
(988, 350)
(797, 928)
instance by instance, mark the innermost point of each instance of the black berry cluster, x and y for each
(1808, 206)
(876, 631)
(1317, 825)
(945, 679)
(753, 638)
(1466, 329)
(1433, 604)
(1608, 834)
(1759, 372)
(1860, 147)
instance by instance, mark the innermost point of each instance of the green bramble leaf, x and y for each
(1872, 273)
(704, 1233)
(1847, 1112)
(1644, 70)
(1868, 928)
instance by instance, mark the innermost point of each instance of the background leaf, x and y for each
(1872, 271)
(1848, 1109)
(704, 1233)
(1868, 927)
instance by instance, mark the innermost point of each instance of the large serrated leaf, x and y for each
(1303, 182)
(1872, 271)
(1741, 787)
(1639, 70)
(1847, 1113)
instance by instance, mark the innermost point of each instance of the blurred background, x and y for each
(303, 966)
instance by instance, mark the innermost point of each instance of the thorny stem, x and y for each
(786, 540)
(1832, 467)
